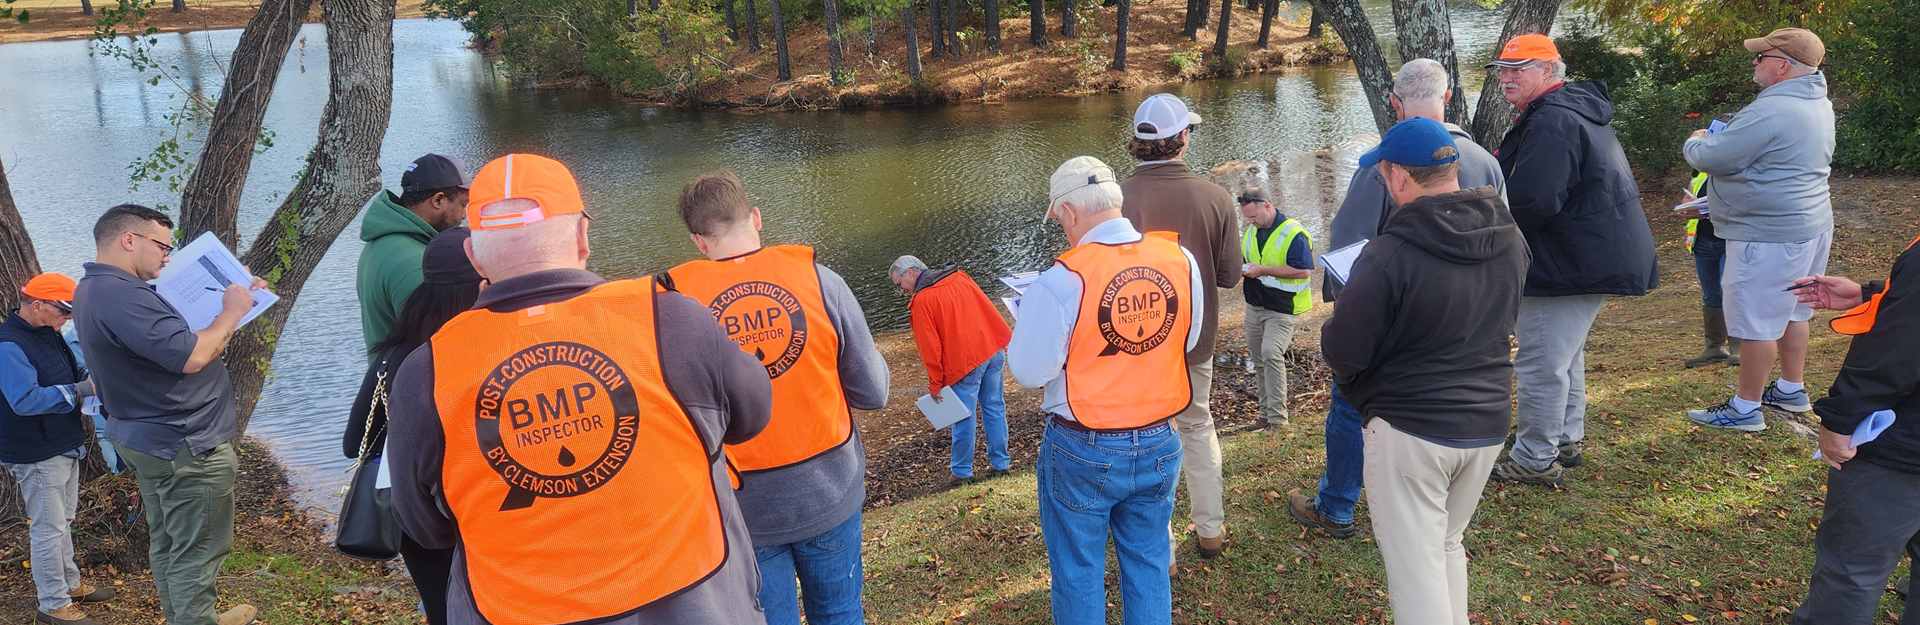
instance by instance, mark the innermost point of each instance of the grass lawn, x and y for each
(1666, 523)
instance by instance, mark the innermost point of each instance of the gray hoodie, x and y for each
(1767, 171)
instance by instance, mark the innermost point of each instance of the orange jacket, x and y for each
(956, 327)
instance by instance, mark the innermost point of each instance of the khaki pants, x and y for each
(1268, 335)
(1422, 497)
(1200, 457)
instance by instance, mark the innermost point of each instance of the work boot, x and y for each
(69, 615)
(1733, 351)
(88, 593)
(1571, 454)
(1211, 548)
(1506, 470)
(1715, 320)
(1309, 515)
(242, 614)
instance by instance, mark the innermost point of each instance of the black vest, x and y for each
(30, 439)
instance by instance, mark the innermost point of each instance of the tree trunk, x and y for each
(780, 42)
(753, 28)
(211, 201)
(1192, 25)
(1037, 13)
(1315, 24)
(1069, 25)
(1120, 35)
(1493, 115)
(18, 262)
(991, 11)
(836, 58)
(1267, 9)
(633, 8)
(934, 17)
(342, 172)
(733, 27)
(180, 6)
(1426, 32)
(953, 29)
(86, 7)
(872, 35)
(1350, 21)
(1226, 19)
(913, 43)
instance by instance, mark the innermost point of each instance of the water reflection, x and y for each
(954, 183)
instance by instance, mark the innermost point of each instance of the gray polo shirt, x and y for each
(136, 344)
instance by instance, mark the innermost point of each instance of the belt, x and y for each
(1078, 427)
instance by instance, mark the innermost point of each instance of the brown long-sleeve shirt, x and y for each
(1166, 196)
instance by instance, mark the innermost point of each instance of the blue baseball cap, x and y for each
(1416, 142)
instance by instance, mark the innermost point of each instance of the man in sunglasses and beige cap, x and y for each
(1767, 183)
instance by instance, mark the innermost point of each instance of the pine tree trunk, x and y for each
(1350, 21)
(1191, 26)
(913, 43)
(939, 34)
(1069, 25)
(1316, 23)
(992, 14)
(1120, 34)
(1426, 32)
(342, 172)
(733, 27)
(180, 6)
(1037, 14)
(753, 27)
(1226, 19)
(86, 7)
(836, 59)
(953, 29)
(1267, 9)
(1493, 115)
(785, 66)
(211, 201)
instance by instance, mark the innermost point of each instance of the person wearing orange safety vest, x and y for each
(803, 480)
(1872, 510)
(1106, 332)
(1709, 258)
(565, 435)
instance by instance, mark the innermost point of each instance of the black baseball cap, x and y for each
(445, 261)
(434, 171)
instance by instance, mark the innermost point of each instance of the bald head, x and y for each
(558, 242)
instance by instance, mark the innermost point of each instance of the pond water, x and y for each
(963, 182)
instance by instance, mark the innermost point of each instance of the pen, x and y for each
(1797, 287)
(211, 289)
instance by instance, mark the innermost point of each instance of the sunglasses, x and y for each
(1757, 56)
(166, 249)
(64, 308)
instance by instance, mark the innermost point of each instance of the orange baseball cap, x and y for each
(51, 287)
(1526, 49)
(523, 177)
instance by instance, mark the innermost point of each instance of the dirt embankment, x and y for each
(62, 19)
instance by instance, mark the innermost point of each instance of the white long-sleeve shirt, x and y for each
(1037, 354)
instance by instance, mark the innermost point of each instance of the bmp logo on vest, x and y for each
(766, 320)
(1137, 311)
(556, 420)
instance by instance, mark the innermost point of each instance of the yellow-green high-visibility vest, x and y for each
(1274, 253)
(1693, 225)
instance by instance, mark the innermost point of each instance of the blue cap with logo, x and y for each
(1416, 142)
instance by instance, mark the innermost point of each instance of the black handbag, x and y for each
(368, 528)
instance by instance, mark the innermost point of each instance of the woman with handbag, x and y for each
(368, 529)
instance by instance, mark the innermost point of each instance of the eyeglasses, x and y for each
(1762, 55)
(166, 249)
(65, 310)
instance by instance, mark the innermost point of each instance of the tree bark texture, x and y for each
(211, 201)
(1492, 116)
(1069, 23)
(18, 262)
(1195, 8)
(1315, 24)
(753, 28)
(913, 43)
(86, 7)
(991, 11)
(935, 17)
(342, 173)
(733, 26)
(836, 57)
(1120, 34)
(1226, 20)
(179, 6)
(780, 42)
(1267, 9)
(1350, 21)
(953, 29)
(1037, 13)
(1426, 32)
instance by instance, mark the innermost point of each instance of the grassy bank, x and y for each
(1667, 523)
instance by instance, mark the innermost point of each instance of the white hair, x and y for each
(1092, 199)
(549, 239)
(904, 264)
(1421, 82)
(1558, 68)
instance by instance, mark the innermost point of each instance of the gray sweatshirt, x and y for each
(791, 504)
(724, 391)
(1363, 214)
(1767, 170)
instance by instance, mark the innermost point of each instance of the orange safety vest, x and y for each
(1127, 358)
(769, 301)
(1860, 319)
(546, 410)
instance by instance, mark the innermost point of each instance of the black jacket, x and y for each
(1882, 372)
(1420, 336)
(1574, 198)
(26, 439)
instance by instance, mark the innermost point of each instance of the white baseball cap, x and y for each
(1077, 173)
(1162, 116)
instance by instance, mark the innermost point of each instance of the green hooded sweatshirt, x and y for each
(389, 264)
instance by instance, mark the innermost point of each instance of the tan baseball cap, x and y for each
(1798, 43)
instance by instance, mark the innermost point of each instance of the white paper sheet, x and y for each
(197, 276)
(948, 412)
(381, 479)
(1868, 430)
(1013, 306)
(90, 405)
(1699, 202)
(1339, 263)
(1019, 281)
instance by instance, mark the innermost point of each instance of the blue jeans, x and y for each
(1340, 484)
(829, 570)
(1709, 259)
(1095, 485)
(982, 392)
